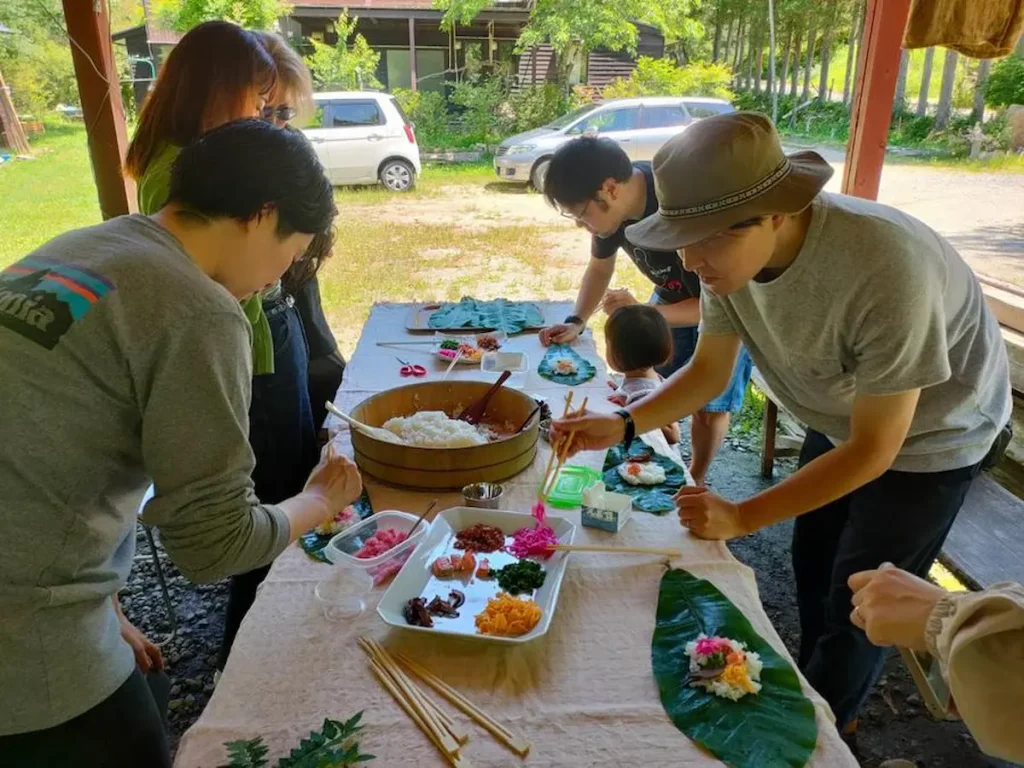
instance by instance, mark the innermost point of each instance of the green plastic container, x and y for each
(568, 489)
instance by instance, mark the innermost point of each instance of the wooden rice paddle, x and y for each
(378, 433)
(475, 412)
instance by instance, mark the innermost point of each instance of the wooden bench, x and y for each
(985, 545)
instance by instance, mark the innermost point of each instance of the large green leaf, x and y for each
(313, 543)
(585, 369)
(773, 729)
(656, 499)
(500, 314)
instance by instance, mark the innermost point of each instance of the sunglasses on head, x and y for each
(283, 113)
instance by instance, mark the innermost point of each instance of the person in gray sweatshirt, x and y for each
(124, 360)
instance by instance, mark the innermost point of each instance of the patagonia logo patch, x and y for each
(41, 299)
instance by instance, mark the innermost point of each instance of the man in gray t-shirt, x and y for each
(869, 327)
(124, 360)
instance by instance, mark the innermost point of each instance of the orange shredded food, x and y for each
(508, 616)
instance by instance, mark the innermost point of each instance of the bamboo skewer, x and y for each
(615, 550)
(425, 708)
(516, 743)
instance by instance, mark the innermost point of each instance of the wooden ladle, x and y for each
(475, 412)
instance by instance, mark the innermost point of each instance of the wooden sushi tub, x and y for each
(445, 468)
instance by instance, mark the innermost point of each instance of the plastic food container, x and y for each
(341, 550)
(342, 595)
(499, 362)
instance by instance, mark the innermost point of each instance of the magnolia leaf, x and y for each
(313, 543)
(775, 728)
(585, 369)
(500, 314)
(657, 499)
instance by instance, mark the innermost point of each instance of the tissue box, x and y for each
(604, 510)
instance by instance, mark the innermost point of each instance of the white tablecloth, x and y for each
(584, 694)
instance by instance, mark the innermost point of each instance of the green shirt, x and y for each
(153, 188)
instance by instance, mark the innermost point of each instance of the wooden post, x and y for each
(878, 68)
(10, 125)
(412, 55)
(100, 90)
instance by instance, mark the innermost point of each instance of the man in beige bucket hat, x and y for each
(869, 327)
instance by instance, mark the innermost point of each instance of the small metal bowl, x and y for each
(483, 495)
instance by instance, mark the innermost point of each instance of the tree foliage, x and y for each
(182, 15)
(349, 64)
(1005, 84)
(661, 77)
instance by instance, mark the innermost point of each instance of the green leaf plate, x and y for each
(313, 543)
(774, 729)
(500, 314)
(585, 369)
(656, 499)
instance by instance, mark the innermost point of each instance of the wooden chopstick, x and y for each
(406, 343)
(381, 654)
(425, 708)
(563, 451)
(614, 550)
(541, 495)
(516, 743)
(389, 686)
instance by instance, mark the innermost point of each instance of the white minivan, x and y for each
(363, 137)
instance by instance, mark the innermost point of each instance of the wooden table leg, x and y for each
(771, 421)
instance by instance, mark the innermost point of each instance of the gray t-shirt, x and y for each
(876, 303)
(120, 362)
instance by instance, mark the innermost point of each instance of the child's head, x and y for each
(637, 338)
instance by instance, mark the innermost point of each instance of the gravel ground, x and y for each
(893, 725)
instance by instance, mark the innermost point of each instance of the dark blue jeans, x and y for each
(125, 730)
(902, 518)
(283, 438)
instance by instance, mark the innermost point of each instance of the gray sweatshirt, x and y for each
(121, 363)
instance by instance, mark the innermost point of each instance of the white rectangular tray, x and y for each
(416, 580)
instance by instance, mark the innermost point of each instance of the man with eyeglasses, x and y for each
(593, 182)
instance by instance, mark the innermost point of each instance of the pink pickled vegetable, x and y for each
(533, 542)
(381, 542)
(538, 512)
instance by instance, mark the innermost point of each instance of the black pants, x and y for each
(126, 730)
(283, 439)
(902, 518)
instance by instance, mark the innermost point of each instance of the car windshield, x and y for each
(570, 118)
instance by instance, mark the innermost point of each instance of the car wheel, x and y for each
(539, 173)
(398, 176)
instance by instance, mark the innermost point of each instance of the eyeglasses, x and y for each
(576, 216)
(284, 113)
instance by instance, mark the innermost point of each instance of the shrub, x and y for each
(662, 77)
(477, 100)
(534, 106)
(1005, 84)
(429, 112)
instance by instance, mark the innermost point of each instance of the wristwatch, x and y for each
(576, 320)
(627, 438)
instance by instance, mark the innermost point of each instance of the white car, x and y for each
(363, 137)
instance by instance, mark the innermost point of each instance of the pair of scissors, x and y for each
(408, 369)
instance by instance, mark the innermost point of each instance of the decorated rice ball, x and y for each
(565, 366)
(642, 473)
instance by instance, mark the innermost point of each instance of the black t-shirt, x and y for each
(663, 268)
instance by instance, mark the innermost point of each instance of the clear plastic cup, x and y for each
(342, 595)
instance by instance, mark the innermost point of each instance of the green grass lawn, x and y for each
(50, 194)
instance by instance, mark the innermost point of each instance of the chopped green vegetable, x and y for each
(520, 577)
(449, 344)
